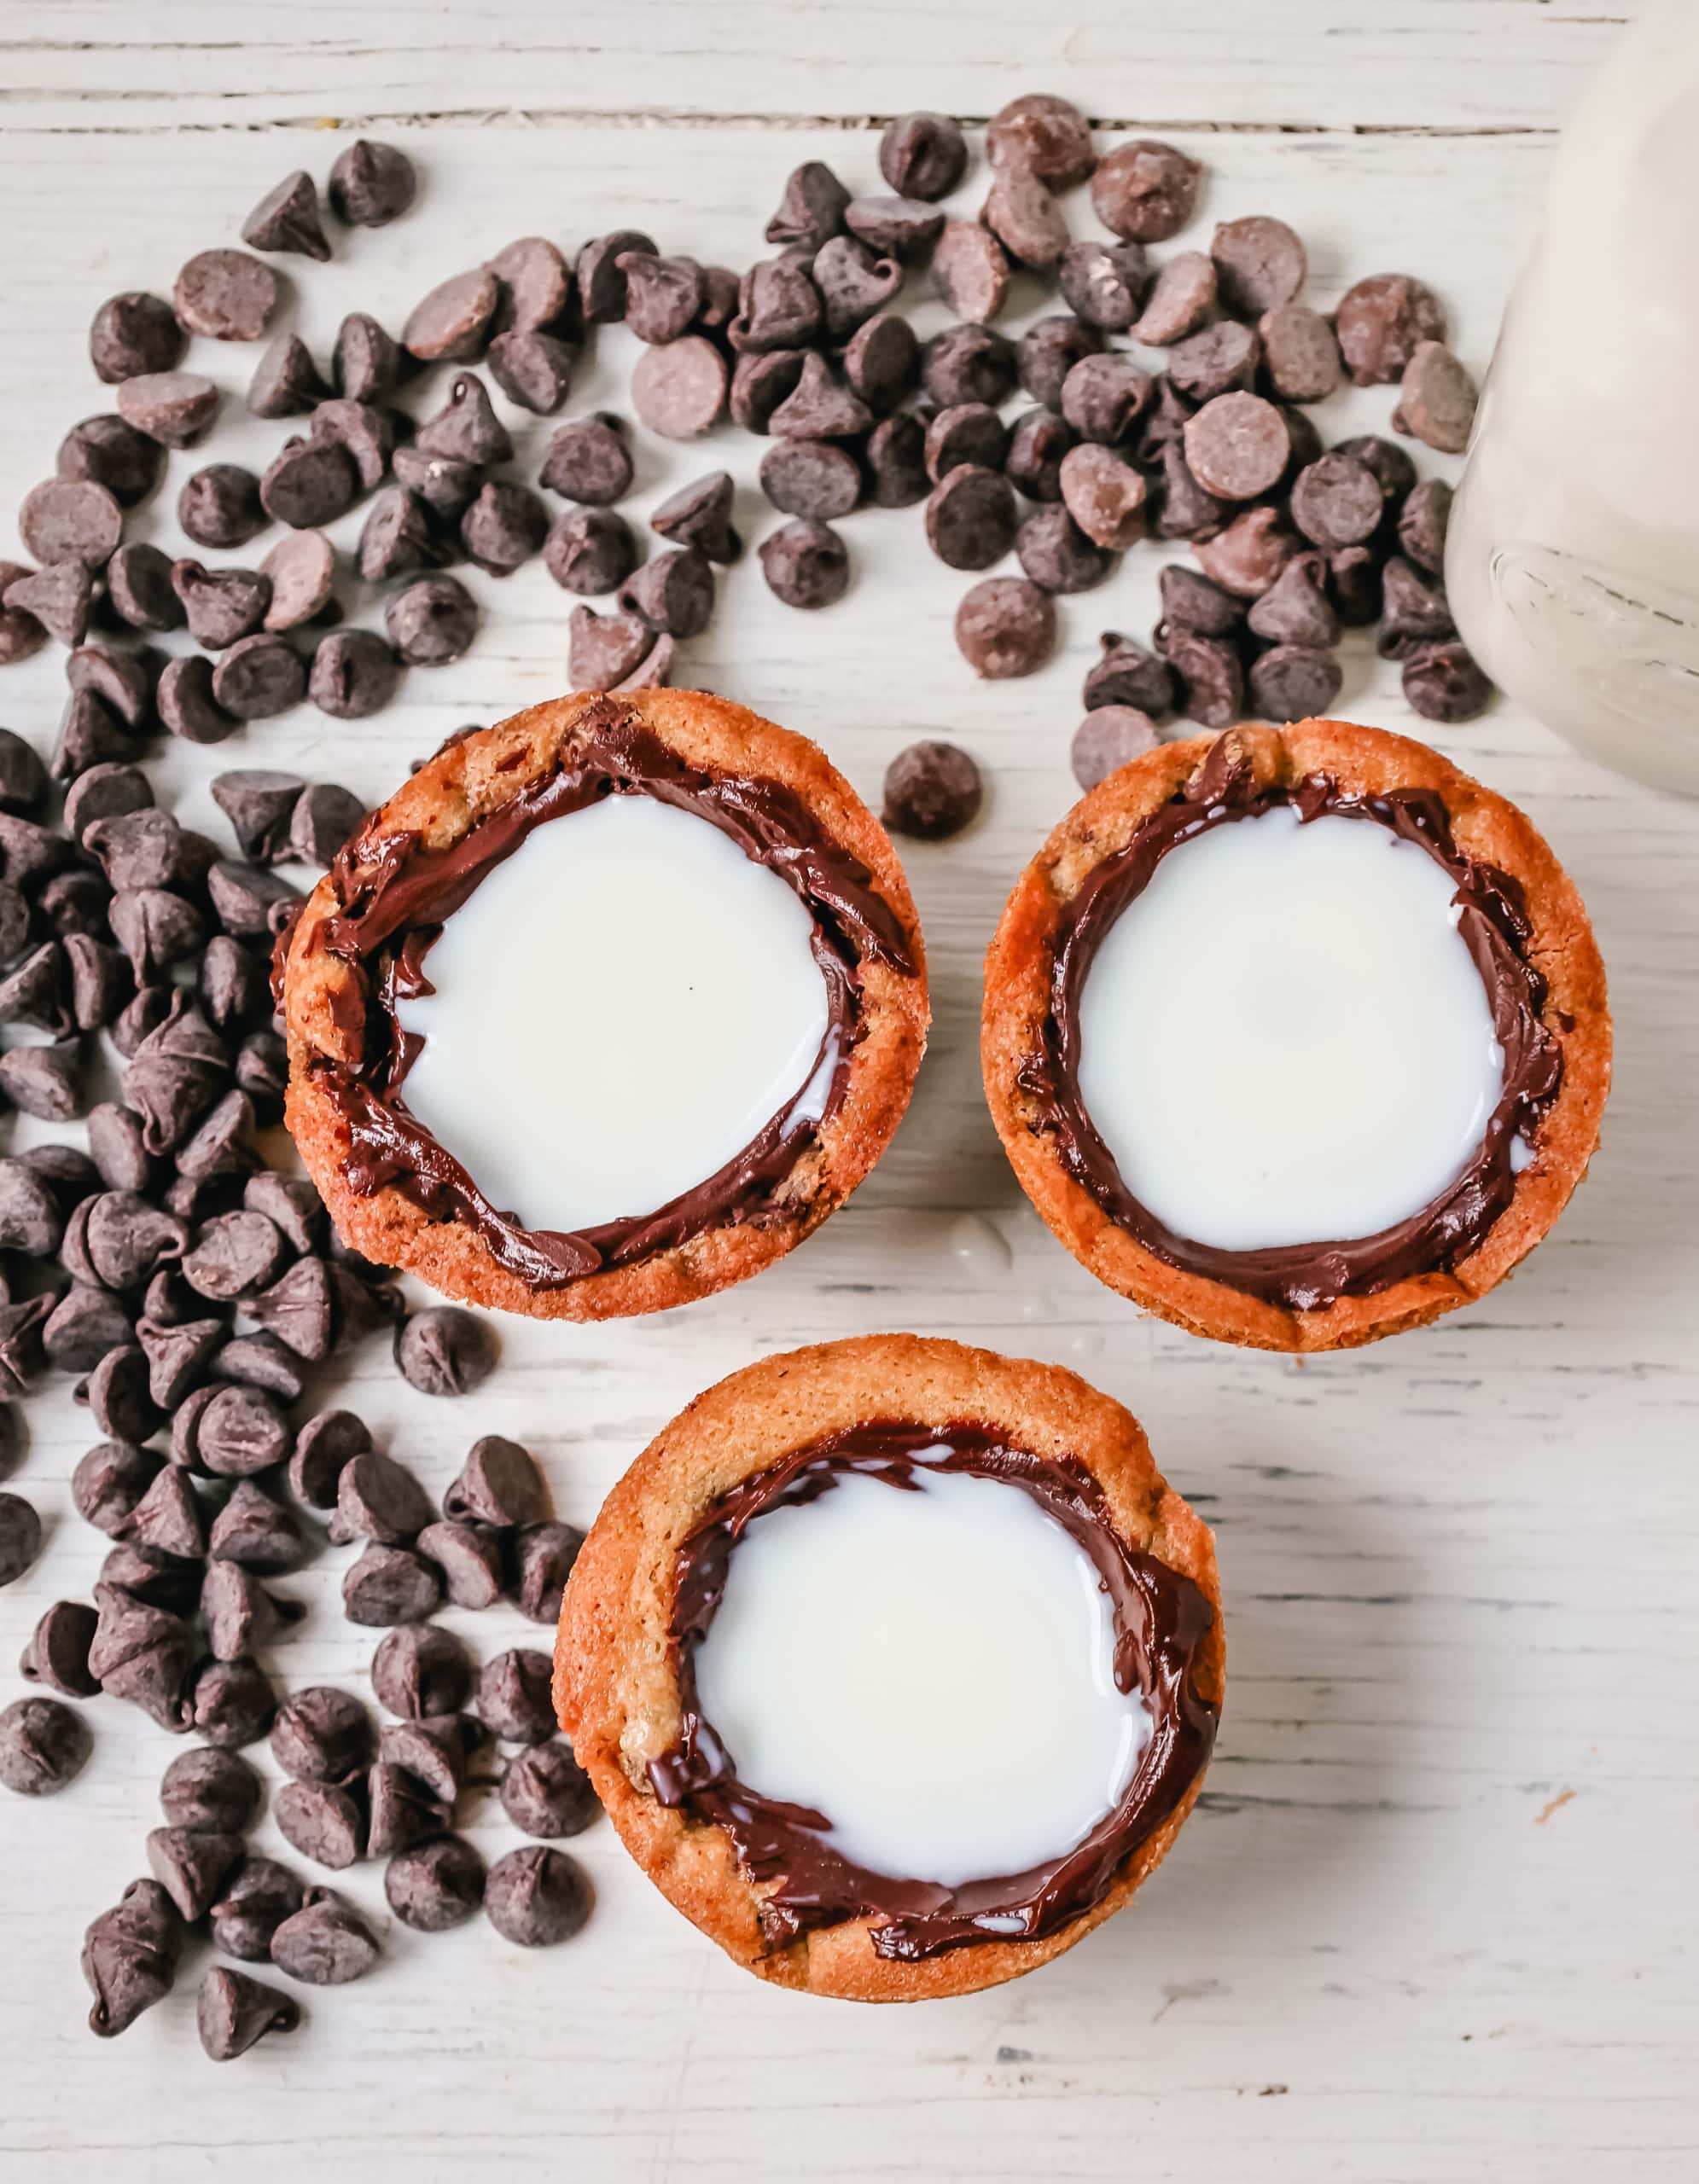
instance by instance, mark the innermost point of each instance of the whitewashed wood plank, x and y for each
(1432, 64)
(1458, 1565)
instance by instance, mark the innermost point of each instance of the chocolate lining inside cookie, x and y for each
(394, 893)
(807, 1881)
(1493, 924)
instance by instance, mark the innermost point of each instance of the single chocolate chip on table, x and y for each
(932, 791)
(225, 295)
(232, 2012)
(130, 1956)
(536, 1897)
(57, 1653)
(806, 563)
(44, 1747)
(679, 390)
(1005, 627)
(286, 218)
(924, 155)
(1108, 739)
(372, 184)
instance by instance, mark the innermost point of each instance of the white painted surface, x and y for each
(1318, 972)
(618, 1008)
(1434, 1919)
(931, 1669)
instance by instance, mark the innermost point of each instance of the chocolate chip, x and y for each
(1422, 522)
(1381, 323)
(505, 526)
(1211, 680)
(452, 323)
(542, 1560)
(679, 390)
(110, 1480)
(1389, 464)
(321, 1734)
(536, 1897)
(174, 408)
(602, 285)
(779, 308)
(499, 1483)
(971, 517)
(189, 1863)
(514, 1696)
(674, 593)
(219, 506)
(699, 515)
(366, 362)
(546, 1793)
(238, 1611)
(124, 680)
(818, 408)
(1108, 739)
(1296, 610)
(1057, 553)
(970, 363)
(532, 369)
(1025, 219)
(44, 1747)
(253, 1530)
(379, 1499)
(108, 452)
(469, 1557)
(1145, 191)
(323, 818)
(435, 1885)
(45, 1082)
(896, 227)
(34, 993)
(1293, 683)
(225, 295)
(372, 184)
(324, 1447)
(880, 363)
(1262, 264)
(1105, 495)
(222, 606)
(1181, 301)
(310, 483)
(365, 433)
(321, 1821)
(421, 1670)
(1222, 360)
(1104, 396)
(233, 1704)
(1300, 353)
(1414, 611)
(258, 801)
(588, 460)
(90, 735)
(1191, 601)
(922, 154)
(398, 538)
(854, 284)
(605, 648)
(354, 674)
(286, 218)
(260, 1361)
(241, 1430)
(59, 598)
(259, 678)
(390, 1585)
(1238, 447)
(1443, 684)
(932, 791)
(22, 1360)
(663, 295)
(252, 1903)
(82, 1327)
(233, 2012)
(118, 1399)
(403, 1811)
(286, 380)
(20, 1537)
(142, 1653)
(1036, 448)
(1005, 627)
(21, 633)
(1247, 556)
(806, 564)
(811, 208)
(431, 1750)
(761, 382)
(1436, 399)
(210, 1793)
(1336, 501)
(102, 792)
(970, 272)
(326, 1944)
(130, 1957)
(133, 335)
(896, 461)
(148, 1576)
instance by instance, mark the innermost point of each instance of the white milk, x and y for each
(1573, 562)
(1283, 1039)
(931, 1671)
(619, 1009)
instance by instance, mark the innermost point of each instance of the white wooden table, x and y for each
(1434, 1919)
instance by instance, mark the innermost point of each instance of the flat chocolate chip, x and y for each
(259, 678)
(1108, 739)
(970, 270)
(372, 184)
(225, 295)
(1300, 353)
(1025, 219)
(536, 1897)
(1260, 262)
(452, 323)
(805, 565)
(1336, 501)
(1005, 627)
(1145, 191)
(679, 390)
(1381, 323)
(1436, 399)
(1238, 447)
(932, 791)
(174, 408)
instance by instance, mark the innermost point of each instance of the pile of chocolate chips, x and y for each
(1293, 542)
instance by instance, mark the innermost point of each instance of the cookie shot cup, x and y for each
(896, 1664)
(1296, 1036)
(606, 1008)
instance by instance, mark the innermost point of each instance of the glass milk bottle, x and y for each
(1573, 560)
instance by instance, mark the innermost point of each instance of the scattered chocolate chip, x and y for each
(1238, 447)
(1058, 554)
(932, 791)
(286, 380)
(110, 1480)
(82, 1327)
(970, 272)
(326, 1944)
(354, 674)
(253, 1530)
(1294, 681)
(1037, 447)
(1336, 501)
(403, 1811)
(546, 1793)
(1104, 396)
(321, 1821)
(469, 1559)
(379, 1499)
(674, 593)
(390, 1585)
(1108, 739)
(225, 295)
(1295, 609)
(286, 218)
(130, 1957)
(44, 1747)
(1436, 399)
(259, 678)
(854, 283)
(536, 1897)
(880, 363)
(1249, 554)
(420, 1670)
(1222, 360)
(1443, 684)
(258, 802)
(366, 362)
(679, 390)
(1105, 495)
(20, 1537)
(433, 1750)
(812, 209)
(1422, 522)
(365, 433)
(189, 1863)
(321, 1734)
(1005, 627)
(542, 1558)
(1211, 680)
(499, 1483)
(372, 184)
(452, 323)
(233, 1704)
(21, 633)
(133, 335)
(1382, 322)
(222, 606)
(761, 382)
(514, 1696)
(231, 2011)
(1025, 219)
(252, 1903)
(238, 1611)
(532, 369)
(818, 408)
(1145, 191)
(779, 308)
(971, 517)
(107, 451)
(897, 226)
(435, 1885)
(260, 1361)
(219, 506)
(324, 1446)
(210, 1793)
(1414, 611)
(699, 515)
(45, 1082)
(505, 526)
(59, 598)
(1300, 353)
(806, 563)
(1191, 601)
(324, 816)
(924, 155)
(174, 408)
(57, 1653)
(310, 483)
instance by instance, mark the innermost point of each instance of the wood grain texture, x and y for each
(1434, 1918)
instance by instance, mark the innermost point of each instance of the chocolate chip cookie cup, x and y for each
(896, 1664)
(606, 1008)
(1297, 1037)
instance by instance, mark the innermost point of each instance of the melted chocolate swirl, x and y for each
(1161, 1620)
(1494, 926)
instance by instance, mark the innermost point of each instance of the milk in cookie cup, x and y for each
(1296, 1036)
(896, 1664)
(606, 1007)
